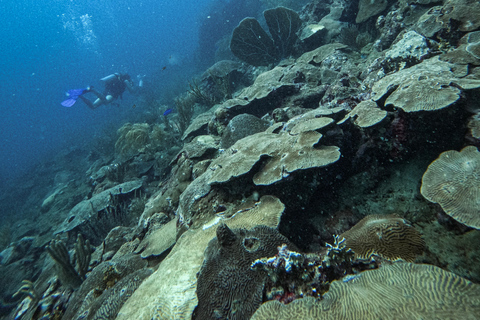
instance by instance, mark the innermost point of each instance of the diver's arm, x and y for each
(130, 86)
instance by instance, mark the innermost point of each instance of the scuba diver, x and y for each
(115, 85)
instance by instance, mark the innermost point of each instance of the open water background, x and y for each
(48, 47)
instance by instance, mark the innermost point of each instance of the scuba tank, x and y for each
(111, 77)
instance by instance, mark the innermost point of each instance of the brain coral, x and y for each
(388, 236)
(137, 138)
(453, 181)
(399, 291)
(227, 287)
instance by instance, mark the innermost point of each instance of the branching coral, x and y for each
(197, 94)
(185, 107)
(292, 274)
(68, 275)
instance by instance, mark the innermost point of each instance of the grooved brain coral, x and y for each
(453, 181)
(137, 138)
(388, 236)
(227, 287)
(398, 291)
(286, 153)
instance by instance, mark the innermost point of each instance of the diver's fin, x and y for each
(73, 95)
(69, 102)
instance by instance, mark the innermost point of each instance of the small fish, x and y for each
(134, 106)
(164, 68)
(167, 112)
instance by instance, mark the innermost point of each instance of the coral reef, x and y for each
(50, 304)
(158, 241)
(240, 127)
(366, 114)
(196, 94)
(107, 305)
(368, 9)
(436, 85)
(294, 177)
(97, 292)
(287, 154)
(222, 79)
(171, 290)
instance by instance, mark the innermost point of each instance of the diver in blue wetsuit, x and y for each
(115, 86)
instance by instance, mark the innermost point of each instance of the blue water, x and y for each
(50, 47)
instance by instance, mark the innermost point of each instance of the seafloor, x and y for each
(327, 169)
